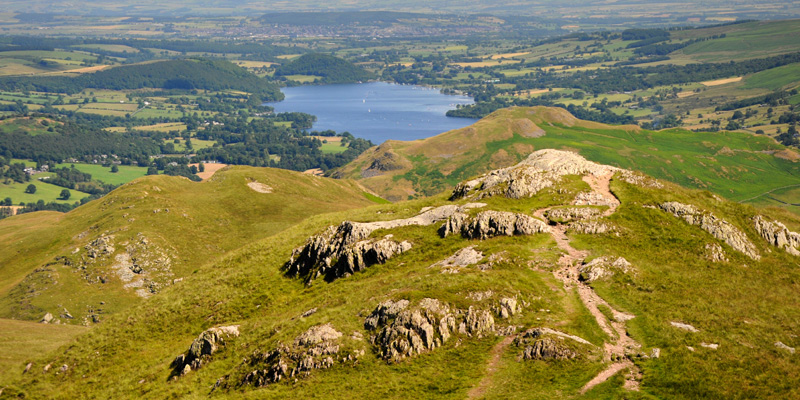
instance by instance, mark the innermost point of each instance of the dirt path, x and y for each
(620, 344)
(491, 367)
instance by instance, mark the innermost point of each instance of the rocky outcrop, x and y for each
(570, 214)
(317, 348)
(715, 253)
(603, 267)
(783, 346)
(639, 179)
(549, 344)
(590, 227)
(489, 224)
(402, 331)
(508, 307)
(542, 169)
(102, 246)
(717, 227)
(778, 235)
(344, 250)
(462, 258)
(203, 348)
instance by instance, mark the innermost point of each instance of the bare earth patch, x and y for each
(210, 170)
(260, 187)
(721, 81)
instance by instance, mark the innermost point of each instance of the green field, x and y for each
(785, 77)
(125, 174)
(44, 191)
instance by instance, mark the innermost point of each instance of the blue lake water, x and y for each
(377, 111)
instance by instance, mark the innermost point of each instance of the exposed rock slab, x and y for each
(717, 227)
(778, 235)
(462, 258)
(542, 169)
(686, 327)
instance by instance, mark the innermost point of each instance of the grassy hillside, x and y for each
(168, 225)
(742, 306)
(738, 166)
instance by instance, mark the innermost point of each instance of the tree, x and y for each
(7, 202)
(114, 169)
(65, 195)
(152, 170)
(201, 167)
(31, 189)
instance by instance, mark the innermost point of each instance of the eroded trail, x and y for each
(478, 391)
(620, 344)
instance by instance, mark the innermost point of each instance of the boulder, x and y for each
(462, 258)
(202, 348)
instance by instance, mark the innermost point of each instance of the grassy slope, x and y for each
(195, 223)
(742, 41)
(745, 309)
(22, 339)
(737, 166)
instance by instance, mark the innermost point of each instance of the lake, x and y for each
(377, 111)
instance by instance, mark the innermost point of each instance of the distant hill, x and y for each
(331, 69)
(737, 166)
(104, 256)
(187, 74)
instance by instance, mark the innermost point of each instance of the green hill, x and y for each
(148, 235)
(737, 166)
(331, 69)
(649, 305)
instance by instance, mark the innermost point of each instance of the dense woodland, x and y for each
(207, 74)
(331, 69)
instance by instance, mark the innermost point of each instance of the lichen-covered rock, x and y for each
(549, 344)
(778, 235)
(569, 214)
(639, 179)
(489, 224)
(344, 250)
(540, 170)
(202, 348)
(603, 267)
(317, 348)
(717, 227)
